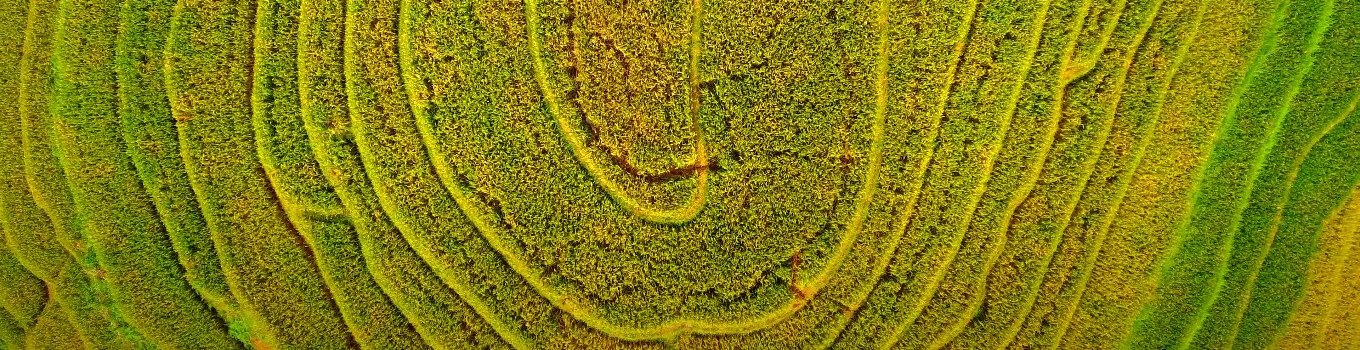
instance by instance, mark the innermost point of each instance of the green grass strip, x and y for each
(1191, 279)
(1138, 117)
(1323, 182)
(27, 231)
(306, 196)
(1322, 104)
(43, 174)
(268, 266)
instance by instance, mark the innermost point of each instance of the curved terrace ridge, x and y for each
(585, 312)
(579, 148)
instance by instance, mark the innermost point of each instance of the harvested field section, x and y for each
(696, 174)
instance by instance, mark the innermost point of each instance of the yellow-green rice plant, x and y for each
(52, 330)
(148, 130)
(1316, 316)
(312, 206)
(22, 294)
(1323, 100)
(1210, 69)
(440, 317)
(268, 265)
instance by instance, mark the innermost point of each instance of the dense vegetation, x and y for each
(450, 174)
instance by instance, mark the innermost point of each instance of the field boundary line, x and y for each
(65, 226)
(674, 216)
(221, 307)
(980, 189)
(1323, 26)
(296, 211)
(1197, 175)
(357, 129)
(1140, 150)
(885, 257)
(261, 329)
(1339, 270)
(343, 212)
(1088, 166)
(669, 329)
(1032, 177)
(1295, 168)
(434, 154)
(1258, 162)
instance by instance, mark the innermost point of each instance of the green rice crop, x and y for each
(701, 174)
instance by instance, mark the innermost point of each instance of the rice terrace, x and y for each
(680, 174)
